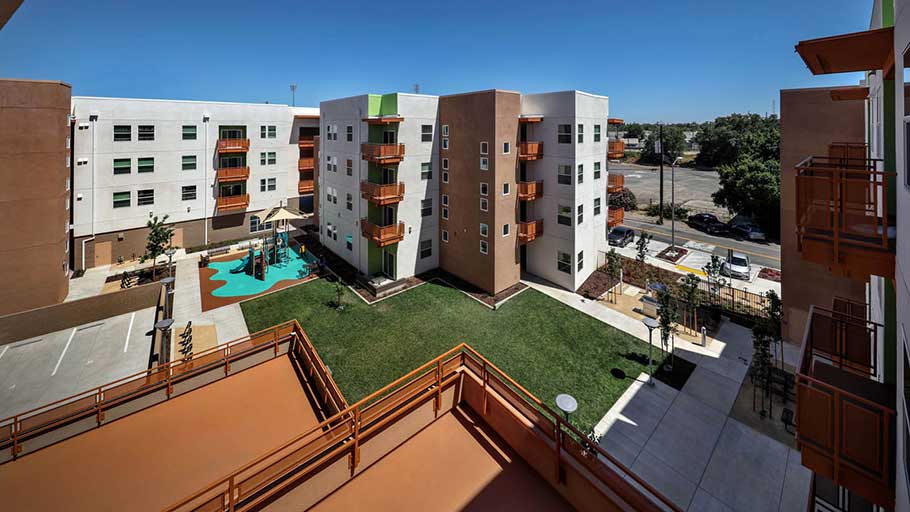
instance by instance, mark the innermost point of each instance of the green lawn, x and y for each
(543, 344)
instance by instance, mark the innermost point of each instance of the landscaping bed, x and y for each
(142, 276)
(677, 255)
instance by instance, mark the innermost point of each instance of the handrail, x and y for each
(351, 420)
(228, 145)
(238, 201)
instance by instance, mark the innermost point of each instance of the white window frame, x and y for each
(484, 230)
(445, 236)
(445, 164)
(445, 143)
(424, 133)
(445, 199)
(484, 204)
(506, 148)
(506, 189)
(484, 163)
(506, 230)
(560, 260)
(484, 147)
(484, 188)
(445, 213)
(445, 130)
(445, 176)
(484, 247)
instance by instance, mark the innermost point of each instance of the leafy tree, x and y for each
(633, 131)
(667, 314)
(641, 246)
(689, 289)
(614, 267)
(728, 139)
(158, 241)
(712, 270)
(674, 142)
(751, 187)
(625, 200)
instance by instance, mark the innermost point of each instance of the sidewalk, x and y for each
(228, 320)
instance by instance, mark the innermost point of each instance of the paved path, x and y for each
(228, 320)
(683, 442)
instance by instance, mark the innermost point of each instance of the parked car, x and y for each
(748, 231)
(708, 223)
(737, 266)
(621, 236)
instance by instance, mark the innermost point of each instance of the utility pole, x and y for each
(293, 95)
(660, 139)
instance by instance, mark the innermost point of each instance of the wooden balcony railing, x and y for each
(842, 216)
(616, 149)
(615, 183)
(615, 217)
(382, 153)
(845, 418)
(233, 145)
(382, 195)
(305, 142)
(382, 235)
(383, 120)
(227, 203)
(529, 231)
(226, 174)
(306, 186)
(530, 150)
(305, 164)
(530, 190)
(851, 307)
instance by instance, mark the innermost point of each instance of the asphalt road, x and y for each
(764, 254)
(691, 185)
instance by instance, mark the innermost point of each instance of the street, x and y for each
(693, 187)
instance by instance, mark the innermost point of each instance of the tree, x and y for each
(689, 289)
(730, 138)
(633, 131)
(765, 333)
(712, 270)
(641, 246)
(614, 267)
(674, 142)
(667, 314)
(751, 187)
(625, 200)
(158, 241)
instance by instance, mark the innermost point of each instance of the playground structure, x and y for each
(263, 253)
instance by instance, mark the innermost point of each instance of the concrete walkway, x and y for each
(683, 442)
(228, 320)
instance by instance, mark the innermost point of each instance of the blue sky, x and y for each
(658, 60)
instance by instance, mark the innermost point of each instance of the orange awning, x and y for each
(850, 93)
(306, 116)
(859, 51)
(615, 120)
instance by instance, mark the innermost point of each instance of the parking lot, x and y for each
(37, 371)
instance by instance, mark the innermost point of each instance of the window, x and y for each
(581, 133)
(273, 131)
(349, 167)
(445, 164)
(445, 143)
(349, 202)
(123, 133)
(445, 200)
(580, 213)
(484, 163)
(426, 170)
(121, 199)
(564, 175)
(580, 264)
(189, 132)
(426, 248)
(145, 197)
(596, 170)
(272, 183)
(349, 242)
(484, 189)
(188, 162)
(267, 184)
(483, 247)
(564, 215)
(564, 262)
(564, 134)
(445, 176)
(445, 213)
(267, 132)
(145, 132)
(268, 158)
(484, 230)
(445, 130)
(506, 148)
(596, 133)
(445, 236)
(484, 204)
(484, 148)
(426, 133)
(505, 229)
(505, 189)
(581, 174)
(349, 133)
(262, 131)
(256, 224)
(188, 193)
(122, 166)
(426, 207)
(596, 206)
(145, 164)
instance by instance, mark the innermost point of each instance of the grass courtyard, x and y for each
(545, 345)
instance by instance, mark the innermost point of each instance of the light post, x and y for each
(168, 283)
(673, 203)
(165, 327)
(170, 258)
(567, 404)
(651, 324)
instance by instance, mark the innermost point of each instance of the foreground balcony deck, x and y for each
(306, 164)
(844, 415)
(616, 149)
(382, 235)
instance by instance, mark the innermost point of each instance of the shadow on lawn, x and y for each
(675, 378)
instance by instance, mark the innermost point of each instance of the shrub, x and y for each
(681, 212)
(625, 200)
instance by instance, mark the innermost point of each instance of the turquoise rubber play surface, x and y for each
(240, 283)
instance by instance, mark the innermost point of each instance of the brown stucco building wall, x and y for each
(810, 120)
(34, 134)
(490, 116)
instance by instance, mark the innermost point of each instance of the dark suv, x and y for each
(621, 236)
(708, 223)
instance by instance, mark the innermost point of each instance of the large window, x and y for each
(426, 133)
(484, 230)
(349, 133)
(596, 133)
(256, 225)
(564, 262)
(445, 164)
(506, 148)
(189, 132)
(581, 174)
(121, 199)
(484, 247)
(267, 184)
(580, 263)
(145, 197)
(145, 164)
(596, 206)
(484, 204)
(581, 133)
(123, 133)
(596, 170)
(426, 248)
(484, 163)
(188, 193)
(506, 228)
(484, 188)
(564, 134)
(122, 166)
(268, 131)
(564, 215)
(484, 148)
(146, 132)
(188, 162)
(426, 207)
(426, 170)
(445, 236)
(580, 214)
(564, 174)
(268, 158)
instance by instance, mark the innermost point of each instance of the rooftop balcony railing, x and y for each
(530, 190)
(382, 235)
(230, 203)
(233, 145)
(382, 195)
(529, 231)
(382, 153)
(228, 174)
(530, 150)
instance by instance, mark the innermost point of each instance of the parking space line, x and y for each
(5, 348)
(65, 348)
(126, 344)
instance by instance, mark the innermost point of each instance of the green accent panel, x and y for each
(887, 13)
(374, 259)
(375, 133)
(890, 341)
(382, 104)
(890, 129)
(374, 173)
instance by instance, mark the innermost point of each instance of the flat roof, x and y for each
(455, 463)
(165, 452)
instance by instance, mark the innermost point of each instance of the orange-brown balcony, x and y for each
(305, 164)
(529, 231)
(306, 186)
(615, 217)
(383, 120)
(228, 174)
(844, 415)
(530, 190)
(233, 145)
(231, 203)
(305, 142)
(382, 235)
(615, 121)
(869, 50)
(382, 195)
(382, 153)
(616, 149)
(842, 218)
(530, 118)
(615, 183)
(530, 150)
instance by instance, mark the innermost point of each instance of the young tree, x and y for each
(689, 288)
(641, 246)
(158, 241)
(712, 270)
(667, 314)
(339, 295)
(614, 268)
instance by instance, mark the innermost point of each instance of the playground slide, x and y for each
(242, 267)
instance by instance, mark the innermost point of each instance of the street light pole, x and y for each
(651, 324)
(676, 161)
(660, 155)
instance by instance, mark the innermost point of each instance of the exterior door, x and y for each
(102, 253)
(388, 264)
(389, 137)
(388, 176)
(388, 215)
